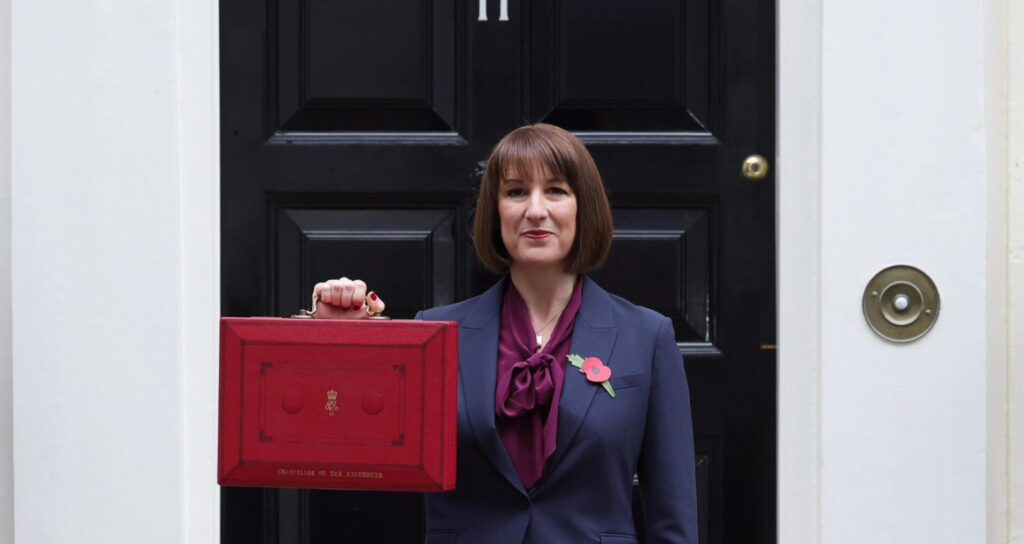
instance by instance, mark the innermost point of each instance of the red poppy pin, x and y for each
(594, 370)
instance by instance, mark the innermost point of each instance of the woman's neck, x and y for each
(545, 291)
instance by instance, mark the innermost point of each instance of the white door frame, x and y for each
(198, 85)
(798, 247)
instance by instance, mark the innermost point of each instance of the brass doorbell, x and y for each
(901, 303)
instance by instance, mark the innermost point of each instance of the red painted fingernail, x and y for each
(373, 296)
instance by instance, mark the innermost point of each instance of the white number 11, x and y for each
(503, 16)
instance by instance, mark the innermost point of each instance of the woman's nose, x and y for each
(537, 207)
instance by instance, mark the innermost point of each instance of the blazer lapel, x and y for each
(478, 372)
(592, 336)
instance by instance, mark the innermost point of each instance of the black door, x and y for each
(353, 133)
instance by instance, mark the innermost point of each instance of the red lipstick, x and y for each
(537, 234)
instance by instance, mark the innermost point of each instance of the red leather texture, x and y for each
(338, 404)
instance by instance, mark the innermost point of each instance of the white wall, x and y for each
(905, 138)
(1015, 273)
(99, 434)
(6, 405)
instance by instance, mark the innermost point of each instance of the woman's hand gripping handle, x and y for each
(345, 299)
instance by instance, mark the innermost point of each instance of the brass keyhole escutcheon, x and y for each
(755, 168)
(901, 303)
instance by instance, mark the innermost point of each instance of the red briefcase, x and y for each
(338, 404)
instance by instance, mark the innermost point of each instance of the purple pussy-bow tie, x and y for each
(531, 386)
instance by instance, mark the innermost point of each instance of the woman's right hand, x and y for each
(345, 299)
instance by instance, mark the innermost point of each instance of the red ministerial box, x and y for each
(338, 404)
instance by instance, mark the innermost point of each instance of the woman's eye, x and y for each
(515, 192)
(557, 191)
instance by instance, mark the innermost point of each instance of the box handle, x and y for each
(311, 314)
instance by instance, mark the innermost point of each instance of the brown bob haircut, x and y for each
(525, 150)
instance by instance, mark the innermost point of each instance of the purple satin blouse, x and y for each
(530, 383)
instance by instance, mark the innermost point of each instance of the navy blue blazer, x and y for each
(586, 492)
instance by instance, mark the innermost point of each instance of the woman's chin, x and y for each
(539, 262)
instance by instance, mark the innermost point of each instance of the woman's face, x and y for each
(538, 217)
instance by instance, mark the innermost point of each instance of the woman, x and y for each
(547, 452)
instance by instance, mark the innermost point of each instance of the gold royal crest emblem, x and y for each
(332, 402)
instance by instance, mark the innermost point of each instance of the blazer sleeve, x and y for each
(666, 465)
